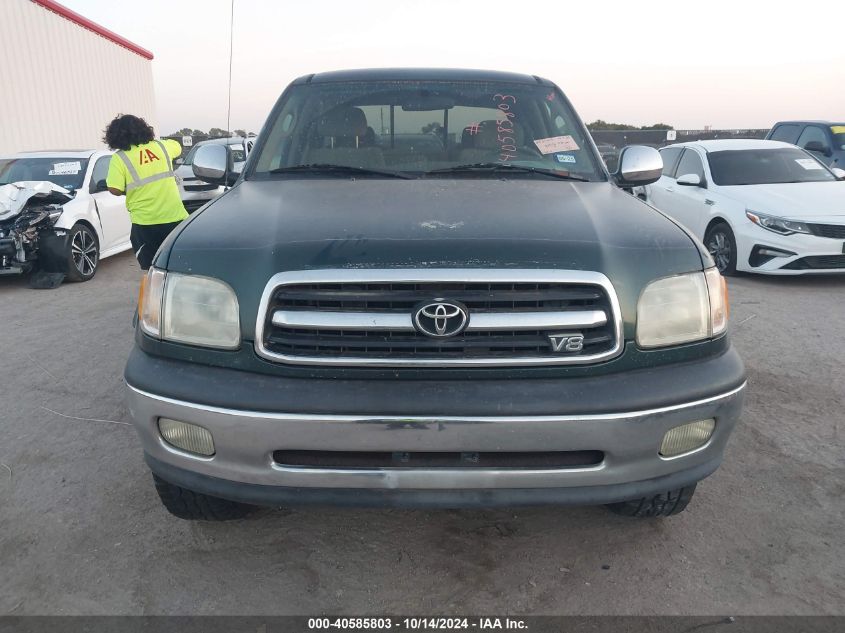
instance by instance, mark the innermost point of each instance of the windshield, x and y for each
(189, 159)
(765, 166)
(65, 172)
(420, 127)
(838, 136)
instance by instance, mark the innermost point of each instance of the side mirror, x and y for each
(817, 146)
(213, 164)
(690, 180)
(177, 162)
(638, 165)
(98, 186)
(839, 173)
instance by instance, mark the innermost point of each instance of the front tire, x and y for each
(721, 244)
(660, 505)
(195, 506)
(83, 253)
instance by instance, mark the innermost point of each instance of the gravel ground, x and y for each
(82, 531)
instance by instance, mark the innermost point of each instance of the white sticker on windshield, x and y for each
(65, 169)
(556, 144)
(808, 163)
(566, 158)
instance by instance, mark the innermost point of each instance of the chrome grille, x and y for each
(364, 317)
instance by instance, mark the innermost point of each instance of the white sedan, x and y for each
(758, 206)
(56, 214)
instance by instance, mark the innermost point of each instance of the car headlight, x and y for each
(682, 309)
(775, 224)
(189, 309)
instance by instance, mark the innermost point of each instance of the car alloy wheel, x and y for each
(720, 249)
(84, 252)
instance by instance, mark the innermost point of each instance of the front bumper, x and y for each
(243, 468)
(749, 235)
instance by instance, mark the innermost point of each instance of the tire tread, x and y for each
(190, 505)
(663, 504)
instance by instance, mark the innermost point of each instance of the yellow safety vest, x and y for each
(145, 173)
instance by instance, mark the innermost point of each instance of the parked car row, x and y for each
(758, 206)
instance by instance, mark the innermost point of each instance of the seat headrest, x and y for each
(342, 121)
(486, 135)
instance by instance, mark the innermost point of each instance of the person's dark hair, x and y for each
(127, 130)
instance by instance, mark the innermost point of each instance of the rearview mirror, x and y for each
(690, 180)
(213, 164)
(638, 165)
(817, 146)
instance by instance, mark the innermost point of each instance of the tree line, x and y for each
(599, 124)
(214, 132)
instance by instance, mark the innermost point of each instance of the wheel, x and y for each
(660, 505)
(195, 506)
(720, 241)
(83, 253)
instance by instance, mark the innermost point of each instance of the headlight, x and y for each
(776, 225)
(682, 309)
(189, 309)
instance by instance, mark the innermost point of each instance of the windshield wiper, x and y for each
(329, 167)
(563, 175)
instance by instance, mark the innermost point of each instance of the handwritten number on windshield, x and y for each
(507, 144)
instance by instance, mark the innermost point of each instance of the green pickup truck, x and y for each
(425, 289)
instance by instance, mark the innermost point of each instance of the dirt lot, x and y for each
(82, 531)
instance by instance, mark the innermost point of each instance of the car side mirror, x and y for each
(839, 173)
(177, 162)
(817, 146)
(690, 180)
(638, 165)
(213, 164)
(98, 186)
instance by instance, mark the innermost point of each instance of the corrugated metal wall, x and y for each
(60, 84)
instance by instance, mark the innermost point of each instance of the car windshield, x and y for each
(64, 172)
(425, 129)
(838, 136)
(765, 166)
(189, 159)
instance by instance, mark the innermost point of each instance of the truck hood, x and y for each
(260, 228)
(816, 201)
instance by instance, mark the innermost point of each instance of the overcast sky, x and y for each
(729, 64)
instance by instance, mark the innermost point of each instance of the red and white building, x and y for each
(64, 77)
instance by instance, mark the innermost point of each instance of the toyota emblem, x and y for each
(441, 319)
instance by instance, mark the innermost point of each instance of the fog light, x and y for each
(188, 437)
(686, 438)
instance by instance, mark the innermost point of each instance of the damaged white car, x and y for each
(57, 216)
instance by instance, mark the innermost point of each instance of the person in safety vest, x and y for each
(142, 170)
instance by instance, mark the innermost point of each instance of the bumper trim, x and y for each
(264, 495)
(415, 419)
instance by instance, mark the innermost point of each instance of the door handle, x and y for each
(669, 189)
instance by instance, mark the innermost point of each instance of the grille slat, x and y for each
(366, 298)
(377, 341)
(817, 262)
(402, 459)
(302, 322)
(836, 231)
